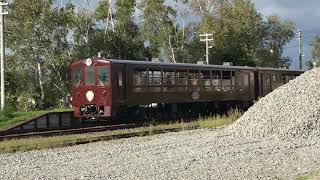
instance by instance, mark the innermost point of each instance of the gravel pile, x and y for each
(291, 111)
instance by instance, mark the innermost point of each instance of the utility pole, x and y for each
(300, 48)
(207, 44)
(2, 13)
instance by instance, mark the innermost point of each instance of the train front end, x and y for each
(91, 88)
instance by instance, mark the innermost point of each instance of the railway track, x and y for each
(16, 135)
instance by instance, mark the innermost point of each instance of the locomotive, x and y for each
(105, 88)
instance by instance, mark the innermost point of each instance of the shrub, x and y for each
(6, 113)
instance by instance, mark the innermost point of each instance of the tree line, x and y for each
(43, 38)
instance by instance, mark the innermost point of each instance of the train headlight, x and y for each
(89, 96)
(88, 62)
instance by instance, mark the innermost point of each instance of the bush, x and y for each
(6, 113)
(234, 114)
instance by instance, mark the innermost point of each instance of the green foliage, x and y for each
(316, 52)
(6, 113)
(277, 34)
(315, 62)
(158, 26)
(241, 35)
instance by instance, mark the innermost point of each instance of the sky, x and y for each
(305, 14)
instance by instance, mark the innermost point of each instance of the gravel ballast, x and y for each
(195, 154)
(291, 111)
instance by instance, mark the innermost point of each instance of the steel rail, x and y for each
(68, 131)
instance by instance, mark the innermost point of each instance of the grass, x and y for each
(311, 176)
(220, 120)
(37, 143)
(16, 117)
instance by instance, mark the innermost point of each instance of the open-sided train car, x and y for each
(268, 79)
(104, 88)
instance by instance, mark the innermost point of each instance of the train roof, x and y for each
(188, 65)
(177, 64)
(278, 69)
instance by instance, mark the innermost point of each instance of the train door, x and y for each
(265, 84)
(243, 84)
(121, 77)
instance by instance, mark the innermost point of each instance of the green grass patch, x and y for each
(8, 119)
(311, 176)
(220, 120)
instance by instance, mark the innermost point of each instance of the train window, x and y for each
(155, 80)
(243, 81)
(283, 78)
(154, 77)
(288, 77)
(194, 80)
(205, 80)
(227, 80)
(266, 82)
(140, 78)
(76, 76)
(275, 81)
(233, 80)
(90, 75)
(216, 80)
(120, 79)
(169, 81)
(103, 75)
(182, 81)
(226, 74)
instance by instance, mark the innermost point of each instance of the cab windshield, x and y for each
(103, 75)
(90, 75)
(76, 76)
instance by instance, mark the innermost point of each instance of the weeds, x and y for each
(220, 120)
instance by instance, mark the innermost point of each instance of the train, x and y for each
(104, 88)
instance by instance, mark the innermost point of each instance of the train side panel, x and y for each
(157, 84)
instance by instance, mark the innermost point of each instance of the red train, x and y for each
(104, 88)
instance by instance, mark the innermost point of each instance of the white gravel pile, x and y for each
(291, 111)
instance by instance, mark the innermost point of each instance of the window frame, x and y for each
(92, 77)
(102, 83)
(73, 76)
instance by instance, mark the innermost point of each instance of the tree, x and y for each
(235, 27)
(241, 35)
(315, 54)
(27, 35)
(277, 34)
(59, 55)
(124, 37)
(316, 48)
(37, 36)
(158, 27)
